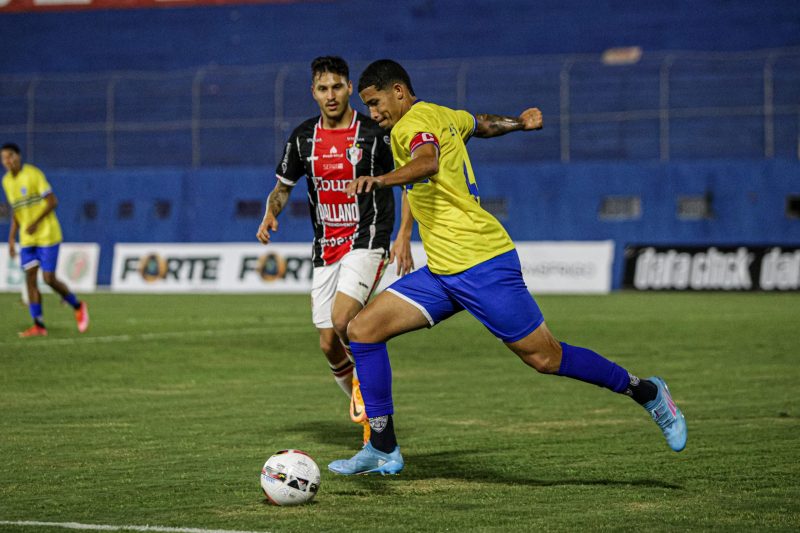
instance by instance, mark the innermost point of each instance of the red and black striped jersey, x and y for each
(330, 159)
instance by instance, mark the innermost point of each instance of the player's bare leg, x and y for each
(385, 317)
(542, 351)
(344, 309)
(539, 350)
(80, 307)
(34, 304)
(55, 283)
(343, 370)
(334, 352)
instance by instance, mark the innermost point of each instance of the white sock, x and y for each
(343, 375)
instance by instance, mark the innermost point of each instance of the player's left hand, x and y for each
(364, 184)
(532, 119)
(30, 230)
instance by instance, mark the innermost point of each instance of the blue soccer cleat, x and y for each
(667, 415)
(369, 461)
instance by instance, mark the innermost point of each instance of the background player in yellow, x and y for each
(473, 265)
(33, 205)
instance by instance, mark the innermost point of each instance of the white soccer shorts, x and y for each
(357, 274)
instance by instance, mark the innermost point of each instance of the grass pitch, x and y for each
(164, 412)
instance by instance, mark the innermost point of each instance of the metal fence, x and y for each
(659, 106)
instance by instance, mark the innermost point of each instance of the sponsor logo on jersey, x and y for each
(285, 162)
(327, 185)
(332, 154)
(338, 213)
(335, 241)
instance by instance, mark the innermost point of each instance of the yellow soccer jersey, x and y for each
(26, 193)
(457, 233)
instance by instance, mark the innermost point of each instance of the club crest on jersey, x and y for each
(354, 154)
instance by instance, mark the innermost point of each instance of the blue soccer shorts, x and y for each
(493, 292)
(45, 257)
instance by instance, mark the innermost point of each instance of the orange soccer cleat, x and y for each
(82, 317)
(34, 331)
(367, 431)
(358, 413)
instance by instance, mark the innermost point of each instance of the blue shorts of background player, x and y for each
(45, 257)
(493, 292)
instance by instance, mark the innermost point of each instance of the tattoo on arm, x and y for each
(277, 199)
(494, 125)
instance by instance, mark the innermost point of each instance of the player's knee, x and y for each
(326, 344)
(49, 278)
(356, 332)
(340, 323)
(546, 359)
(543, 363)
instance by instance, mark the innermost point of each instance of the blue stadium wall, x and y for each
(548, 201)
(364, 30)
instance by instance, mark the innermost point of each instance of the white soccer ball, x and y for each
(290, 477)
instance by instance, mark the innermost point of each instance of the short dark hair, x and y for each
(11, 146)
(332, 64)
(383, 73)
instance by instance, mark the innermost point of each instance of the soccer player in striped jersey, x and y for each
(33, 207)
(472, 265)
(351, 235)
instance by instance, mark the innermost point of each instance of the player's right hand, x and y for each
(270, 223)
(401, 251)
(363, 184)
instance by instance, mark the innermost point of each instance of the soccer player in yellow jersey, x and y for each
(472, 265)
(33, 215)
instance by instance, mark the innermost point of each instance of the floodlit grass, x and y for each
(164, 412)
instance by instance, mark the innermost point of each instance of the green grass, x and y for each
(165, 411)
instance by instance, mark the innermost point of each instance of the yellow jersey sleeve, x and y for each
(457, 233)
(466, 124)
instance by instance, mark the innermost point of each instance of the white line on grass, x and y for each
(150, 336)
(102, 527)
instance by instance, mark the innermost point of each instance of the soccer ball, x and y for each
(290, 477)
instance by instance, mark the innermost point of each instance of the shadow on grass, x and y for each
(461, 465)
(334, 433)
(450, 464)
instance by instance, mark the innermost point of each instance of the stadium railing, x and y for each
(662, 106)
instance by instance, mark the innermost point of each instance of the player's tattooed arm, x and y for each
(494, 125)
(278, 198)
(275, 204)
